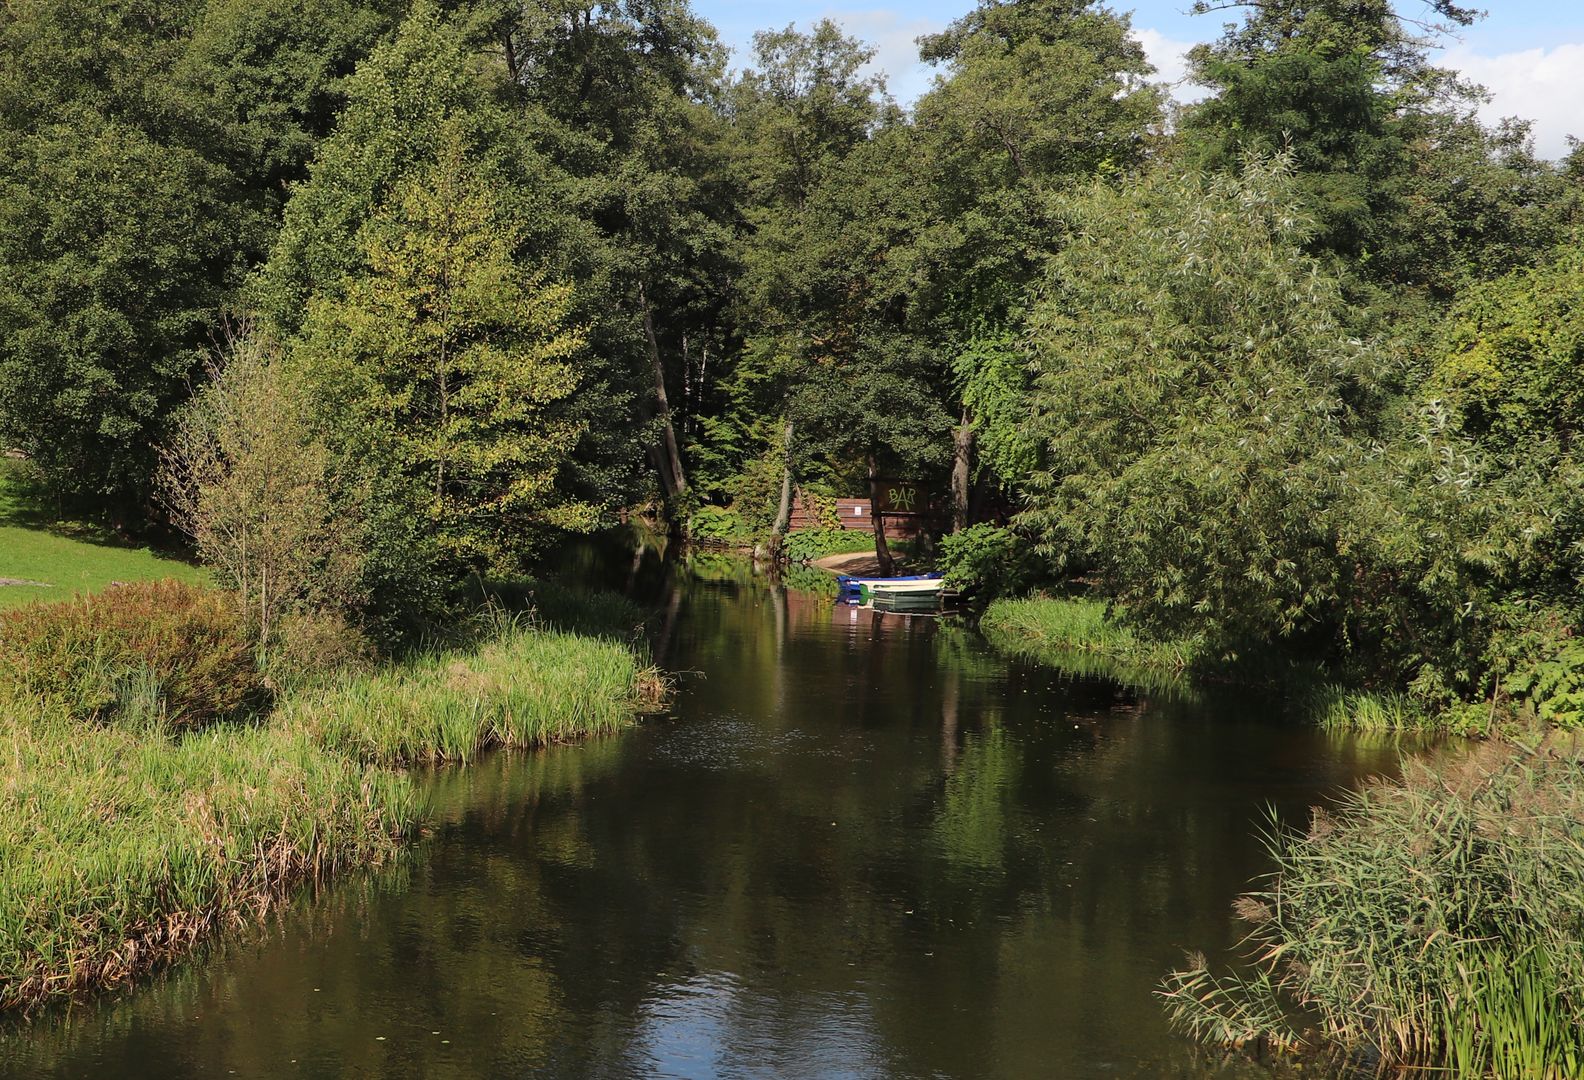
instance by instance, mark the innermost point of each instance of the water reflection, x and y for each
(862, 846)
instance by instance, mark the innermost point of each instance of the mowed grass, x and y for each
(67, 558)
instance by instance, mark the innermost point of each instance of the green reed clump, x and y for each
(523, 687)
(1077, 625)
(1338, 708)
(162, 650)
(1437, 921)
(120, 848)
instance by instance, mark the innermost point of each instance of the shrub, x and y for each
(311, 647)
(991, 558)
(160, 650)
(806, 545)
(719, 525)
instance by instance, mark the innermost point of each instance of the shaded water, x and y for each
(861, 846)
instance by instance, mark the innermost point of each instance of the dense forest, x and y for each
(372, 298)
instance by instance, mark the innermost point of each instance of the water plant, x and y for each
(1437, 921)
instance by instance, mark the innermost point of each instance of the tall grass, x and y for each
(1074, 632)
(121, 848)
(523, 687)
(138, 812)
(1436, 922)
(1339, 708)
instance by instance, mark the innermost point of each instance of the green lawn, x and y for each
(66, 557)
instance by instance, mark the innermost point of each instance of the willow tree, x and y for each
(1196, 399)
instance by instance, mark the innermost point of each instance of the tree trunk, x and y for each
(877, 519)
(672, 478)
(962, 470)
(783, 520)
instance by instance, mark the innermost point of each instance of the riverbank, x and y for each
(1085, 635)
(134, 824)
(1429, 922)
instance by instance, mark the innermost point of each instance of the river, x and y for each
(858, 846)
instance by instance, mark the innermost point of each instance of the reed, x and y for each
(522, 687)
(1435, 922)
(121, 848)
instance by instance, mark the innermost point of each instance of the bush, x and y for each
(806, 545)
(160, 650)
(717, 524)
(312, 647)
(991, 558)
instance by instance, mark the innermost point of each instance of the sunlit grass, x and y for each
(66, 559)
(120, 848)
(524, 687)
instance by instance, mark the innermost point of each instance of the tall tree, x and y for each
(121, 228)
(1033, 97)
(1403, 182)
(804, 106)
(629, 88)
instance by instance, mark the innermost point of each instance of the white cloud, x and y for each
(1543, 85)
(896, 52)
(1170, 58)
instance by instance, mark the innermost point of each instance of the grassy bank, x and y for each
(1054, 629)
(137, 816)
(524, 687)
(1085, 636)
(122, 848)
(1437, 922)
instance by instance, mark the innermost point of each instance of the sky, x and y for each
(1528, 53)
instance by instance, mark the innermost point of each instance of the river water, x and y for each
(859, 846)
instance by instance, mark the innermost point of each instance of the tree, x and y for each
(628, 90)
(445, 363)
(1033, 97)
(797, 115)
(245, 479)
(120, 227)
(1403, 182)
(1197, 398)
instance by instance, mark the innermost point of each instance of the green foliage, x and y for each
(163, 652)
(1434, 922)
(1195, 401)
(718, 525)
(994, 560)
(992, 375)
(1554, 685)
(806, 545)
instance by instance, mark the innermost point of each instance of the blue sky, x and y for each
(1529, 53)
